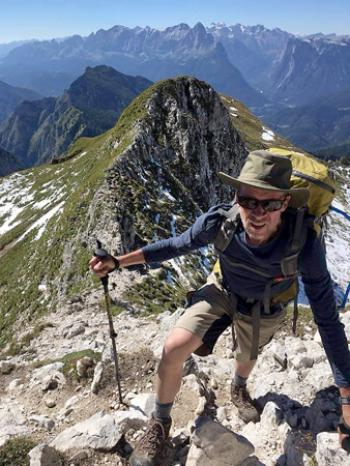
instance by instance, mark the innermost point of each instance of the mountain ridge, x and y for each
(40, 131)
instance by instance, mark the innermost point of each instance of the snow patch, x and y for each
(234, 111)
(267, 134)
(42, 222)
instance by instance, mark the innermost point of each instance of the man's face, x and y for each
(259, 224)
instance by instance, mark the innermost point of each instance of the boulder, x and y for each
(328, 452)
(99, 432)
(12, 424)
(44, 455)
(215, 445)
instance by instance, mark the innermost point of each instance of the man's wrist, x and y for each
(116, 263)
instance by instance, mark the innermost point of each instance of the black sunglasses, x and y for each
(269, 205)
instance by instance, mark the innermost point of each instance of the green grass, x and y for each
(250, 127)
(70, 361)
(15, 451)
(24, 266)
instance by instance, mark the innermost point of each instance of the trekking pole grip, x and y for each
(101, 253)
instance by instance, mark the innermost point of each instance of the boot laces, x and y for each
(153, 437)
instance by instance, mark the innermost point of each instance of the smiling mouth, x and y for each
(257, 227)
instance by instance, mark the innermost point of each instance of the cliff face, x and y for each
(186, 138)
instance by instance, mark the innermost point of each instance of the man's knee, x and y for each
(179, 345)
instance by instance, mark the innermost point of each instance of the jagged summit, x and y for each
(39, 131)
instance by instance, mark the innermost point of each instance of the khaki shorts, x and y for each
(209, 315)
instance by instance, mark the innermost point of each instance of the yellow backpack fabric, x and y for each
(312, 174)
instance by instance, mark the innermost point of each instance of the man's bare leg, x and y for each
(177, 348)
(244, 368)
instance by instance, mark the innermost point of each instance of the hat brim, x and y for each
(299, 196)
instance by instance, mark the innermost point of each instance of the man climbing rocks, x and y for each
(250, 293)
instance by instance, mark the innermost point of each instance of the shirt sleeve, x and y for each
(319, 290)
(200, 234)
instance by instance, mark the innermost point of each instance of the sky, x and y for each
(46, 19)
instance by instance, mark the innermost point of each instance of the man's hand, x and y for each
(344, 437)
(102, 267)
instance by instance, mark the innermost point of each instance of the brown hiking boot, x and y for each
(241, 399)
(151, 444)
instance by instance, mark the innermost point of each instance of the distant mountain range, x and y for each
(40, 130)
(270, 70)
(178, 50)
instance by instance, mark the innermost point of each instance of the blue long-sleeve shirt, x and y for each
(245, 283)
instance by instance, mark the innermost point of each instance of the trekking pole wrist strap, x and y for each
(116, 264)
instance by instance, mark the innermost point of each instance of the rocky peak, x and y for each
(185, 138)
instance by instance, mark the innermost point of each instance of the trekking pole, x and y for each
(102, 254)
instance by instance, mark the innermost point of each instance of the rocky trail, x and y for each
(61, 392)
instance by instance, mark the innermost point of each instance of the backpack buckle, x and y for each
(289, 265)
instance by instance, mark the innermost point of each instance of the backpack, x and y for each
(307, 172)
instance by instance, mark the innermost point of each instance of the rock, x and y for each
(96, 381)
(99, 432)
(50, 402)
(73, 400)
(317, 337)
(270, 417)
(84, 367)
(279, 353)
(328, 452)
(221, 414)
(12, 423)
(294, 345)
(301, 361)
(49, 376)
(44, 455)
(14, 384)
(214, 445)
(43, 421)
(52, 381)
(73, 331)
(316, 351)
(144, 402)
(252, 461)
(131, 419)
(6, 367)
(107, 354)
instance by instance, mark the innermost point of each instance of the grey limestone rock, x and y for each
(99, 432)
(44, 455)
(215, 445)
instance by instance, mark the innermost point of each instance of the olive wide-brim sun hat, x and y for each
(265, 170)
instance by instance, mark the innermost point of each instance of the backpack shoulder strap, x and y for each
(229, 225)
(300, 222)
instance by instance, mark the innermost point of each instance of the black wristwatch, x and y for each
(345, 400)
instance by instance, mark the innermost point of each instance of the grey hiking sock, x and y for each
(162, 410)
(240, 381)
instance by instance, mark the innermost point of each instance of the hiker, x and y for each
(250, 293)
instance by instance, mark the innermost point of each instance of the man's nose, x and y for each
(259, 210)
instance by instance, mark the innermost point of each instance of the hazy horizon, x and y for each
(42, 20)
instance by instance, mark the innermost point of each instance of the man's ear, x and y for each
(286, 202)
